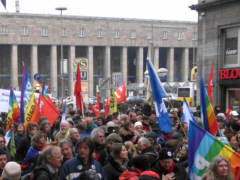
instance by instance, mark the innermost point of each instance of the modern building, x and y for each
(112, 47)
(219, 41)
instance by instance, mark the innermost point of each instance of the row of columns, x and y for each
(107, 65)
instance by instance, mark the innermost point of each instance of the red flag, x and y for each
(107, 107)
(94, 110)
(210, 84)
(98, 103)
(47, 109)
(120, 93)
(78, 90)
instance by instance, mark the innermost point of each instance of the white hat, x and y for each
(111, 124)
(11, 171)
(234, 113)
(138, 123)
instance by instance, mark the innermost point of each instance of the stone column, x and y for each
(139, 70)
(53, 68)
(34, 62)
(185, 64)
(107, 67)
(14, 66)
(170, 64)
(156, 58)
(71, 59)
(124, 65)
(90, 71)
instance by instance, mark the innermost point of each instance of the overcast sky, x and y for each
(144, 9)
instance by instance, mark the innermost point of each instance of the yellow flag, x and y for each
(30, 110)
(113, 103)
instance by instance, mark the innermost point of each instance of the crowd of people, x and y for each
(125, 146)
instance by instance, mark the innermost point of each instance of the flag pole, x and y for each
(179, 119)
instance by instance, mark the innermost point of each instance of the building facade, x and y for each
(45, 43)
(219, 41)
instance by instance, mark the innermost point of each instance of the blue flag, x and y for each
(64, 113)
(187, 113)
(4, 3)
(158, 92)
(26, 92)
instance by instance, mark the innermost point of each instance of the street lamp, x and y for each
(61, 9)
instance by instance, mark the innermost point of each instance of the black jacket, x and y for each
(113, 169)
(179, 171)
(23, 147)
(43, 173)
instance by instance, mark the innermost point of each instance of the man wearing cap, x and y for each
(167, 167)
(234, 123)
(110, 140)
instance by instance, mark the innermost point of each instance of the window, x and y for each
(24, 31)
(149, 35)
(133, 34)
(230, 46)
(180, 36)
(99, 33)
(4, 30)
(64, 32)
(44, 32)
(82, 32)
(194, 36)
(117, 34)
(165, 35)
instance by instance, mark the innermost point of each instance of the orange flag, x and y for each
(47, 109)
(94, 110)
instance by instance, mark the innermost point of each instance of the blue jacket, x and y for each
(72, 169)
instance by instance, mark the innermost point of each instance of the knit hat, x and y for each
(11, 171)
(113, 137)
(138, 162)
(165, 154)
(138, 123)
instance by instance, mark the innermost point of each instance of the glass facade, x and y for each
(231, 46)
(233, 99)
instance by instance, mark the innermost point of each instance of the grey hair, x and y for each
(144, 142)
(47, 154)
(67, 142)
(72, 129)
(94, 133)
(211, 172)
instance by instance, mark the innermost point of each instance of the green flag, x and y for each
(113, 103)
(12, 146)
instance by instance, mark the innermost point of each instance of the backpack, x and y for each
(28, 176)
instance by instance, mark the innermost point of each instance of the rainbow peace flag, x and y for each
(13, 110)
(203, 148)
(208, 117)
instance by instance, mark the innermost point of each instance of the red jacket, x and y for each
(130, 174)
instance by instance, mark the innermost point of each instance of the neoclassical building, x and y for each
(111, 45)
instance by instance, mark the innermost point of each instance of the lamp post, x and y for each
(61, 9)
